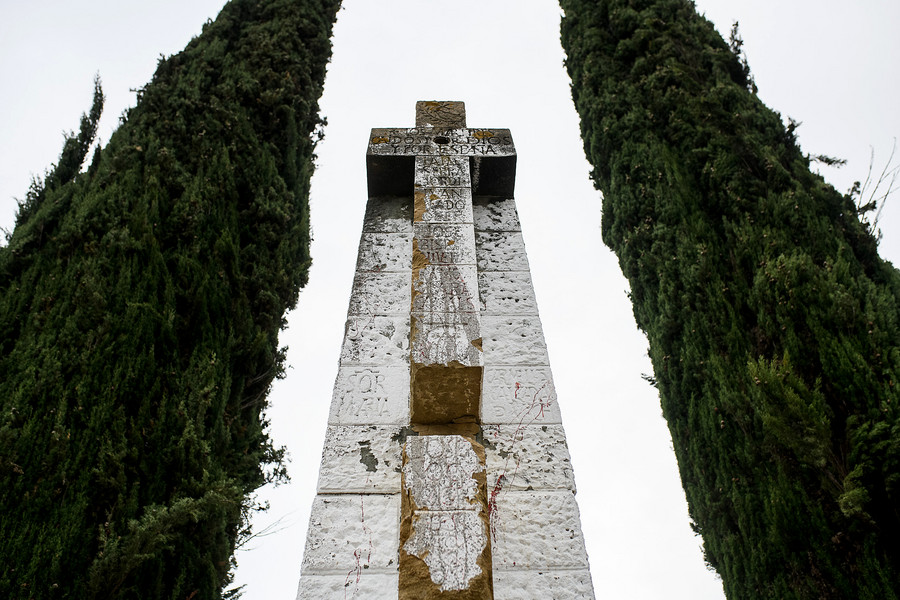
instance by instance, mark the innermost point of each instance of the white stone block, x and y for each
(513, 340)
(360, 459)
(370, 396)
(359, 584)
(546, 585)
(388, 214)
(527, 457)
(519, 395)
(380, 293)
(444, 205)
(506, 293)
(445, 288)
(376, 340)
(536, 530)
(381, 252)
(445, 243)
(440, 472)
(442, 338)
(350, 532)
(500, 251)
(496, 215)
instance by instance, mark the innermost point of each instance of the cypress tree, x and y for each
(140, 305)
(773, 325)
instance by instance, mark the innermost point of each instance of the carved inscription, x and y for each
(439, 141)
(443, 205)
(376, 395)
(519, 395)
(445, 243)
(442, 171)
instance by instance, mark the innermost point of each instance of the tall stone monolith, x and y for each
(445, 473)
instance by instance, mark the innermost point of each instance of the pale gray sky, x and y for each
(828, 64)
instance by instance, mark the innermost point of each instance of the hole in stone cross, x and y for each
(440, 139)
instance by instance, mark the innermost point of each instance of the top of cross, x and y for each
(441, 131)
(449, 114)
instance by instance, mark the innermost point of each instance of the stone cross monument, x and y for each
(445, 472)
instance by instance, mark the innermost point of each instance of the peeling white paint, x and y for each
(450, 543)
(440, 472)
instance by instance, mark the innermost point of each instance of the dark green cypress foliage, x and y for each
(140, 304)
(773, 325)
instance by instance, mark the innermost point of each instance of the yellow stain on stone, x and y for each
(380, 140)
(419, 262)
(419, 205)
(482, 134)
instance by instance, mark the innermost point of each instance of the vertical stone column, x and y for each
(444, 542)
(538, 549)
(351, 547)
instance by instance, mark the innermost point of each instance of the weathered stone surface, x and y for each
(440, 113)
(546, 585)
(376, 340)
(442, 171)
(370, 396)
(439, 472)
(380, 252)
(444, 520)
(380, 293)
(360, 459)
(506, 293)
(426, 141)
(495, 214)
(446, 337)
(519, 395)
(360, 584)
(352, 532)
(388, 214)
(500, 251)
(525, 457)
(537, 530)
(446, 289)
(450, 543)
(513, 340)
(442, 205)
(446, 243)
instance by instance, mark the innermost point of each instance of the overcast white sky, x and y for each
(830, 64)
